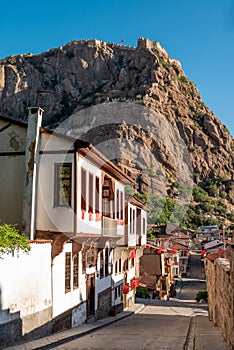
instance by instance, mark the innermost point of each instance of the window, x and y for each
(67, 272)
(83, 261)
(125, 266)
(76, 271)
(63, 184)
(118, 266)
(101, 264)
(91, 257)
(90, 193)
(106, 261)
(121, 205)
(108, 197)
(133, 221)
(117, 207)
(97, 195)
(117, 292)
(83, 189)
(143, 226)
(130, 221)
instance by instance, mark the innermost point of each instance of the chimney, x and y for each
(31, 163)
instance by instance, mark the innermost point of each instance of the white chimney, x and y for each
(31, 163)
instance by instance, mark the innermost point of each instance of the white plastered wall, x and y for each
(143, 234)
(49, 217)
(64, 301)
(25, 281)
(12, 139)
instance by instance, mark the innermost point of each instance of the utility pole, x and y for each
(224, 243)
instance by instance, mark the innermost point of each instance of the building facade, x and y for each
(62, 190)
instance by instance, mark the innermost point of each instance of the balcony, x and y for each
(109, 227)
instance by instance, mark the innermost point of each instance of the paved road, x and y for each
(195, 280)
(166, 325)
(145, 330)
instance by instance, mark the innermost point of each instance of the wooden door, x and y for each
(90, 285)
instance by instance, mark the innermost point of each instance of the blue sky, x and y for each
(199, 33)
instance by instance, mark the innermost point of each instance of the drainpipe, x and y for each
(31, 164)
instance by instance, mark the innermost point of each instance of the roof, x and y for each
(86, 149)
(170, 228)
(178, 246)
(137, 202)
(90, 152)
(181, 235)
(213, 256)
(213, 244)
(14, 121)
(40, 241)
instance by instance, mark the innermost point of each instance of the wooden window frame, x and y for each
(118, 204)
(130, 220)
(83, 192)
(121, 205)
(144, 225)
(67, 272)
(84, 261)
(106, 261)
(58, 179)
(101, 264)
(97, 195)
(76, 271)
(91, 194)
(120, 265)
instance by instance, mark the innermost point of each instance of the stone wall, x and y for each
(104, 304)
(220, 284)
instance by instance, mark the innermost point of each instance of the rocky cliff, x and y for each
(81, 74)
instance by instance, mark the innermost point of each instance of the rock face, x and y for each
(66, 80)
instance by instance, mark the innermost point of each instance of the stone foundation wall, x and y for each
(10, 333)
(39, 325)
(32, 326)
(220, 284)
(104, 304)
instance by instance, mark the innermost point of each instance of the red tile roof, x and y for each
(216, 255)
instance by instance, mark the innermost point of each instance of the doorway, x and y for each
(90, 283)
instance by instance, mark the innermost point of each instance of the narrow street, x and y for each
(195, 279)
(179, 323)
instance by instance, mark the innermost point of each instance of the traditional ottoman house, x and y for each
(62, 190)
(127, 254)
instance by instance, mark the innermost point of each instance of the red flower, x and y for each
(160, 251)
(132, 254)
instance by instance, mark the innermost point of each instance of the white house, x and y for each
(64, 191)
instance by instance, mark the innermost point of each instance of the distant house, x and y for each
(206, 229)
(64, 191)
(213, 245)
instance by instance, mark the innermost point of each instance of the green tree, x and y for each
(11, 238)
(212, 189)
(199, 194)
